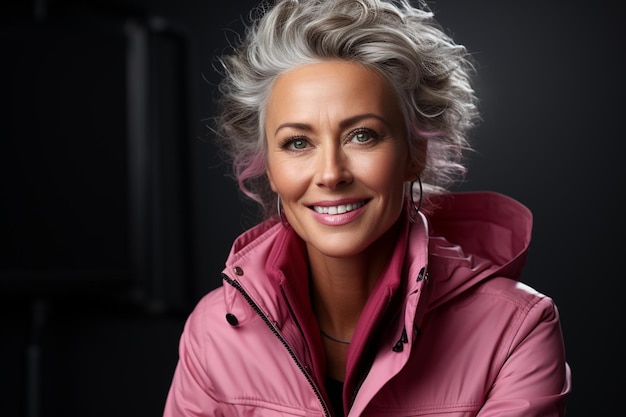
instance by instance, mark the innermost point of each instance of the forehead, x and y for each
(334, 87)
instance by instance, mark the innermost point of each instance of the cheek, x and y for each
(384, 171)
(287, 178)
(275, 172)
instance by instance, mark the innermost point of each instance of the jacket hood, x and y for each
(474, 236)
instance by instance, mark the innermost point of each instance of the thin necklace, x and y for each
(334, 339)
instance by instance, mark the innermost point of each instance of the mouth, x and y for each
(338, 209)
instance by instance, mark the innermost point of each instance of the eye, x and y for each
(363, 135)
(298, 144)
(294, 144)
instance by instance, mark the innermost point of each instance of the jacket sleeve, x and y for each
(535, 378)
(189, 393)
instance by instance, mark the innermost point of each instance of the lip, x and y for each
(336, 216)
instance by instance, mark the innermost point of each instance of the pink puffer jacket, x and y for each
(452, 331)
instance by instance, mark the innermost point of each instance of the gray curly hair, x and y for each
(430, 75)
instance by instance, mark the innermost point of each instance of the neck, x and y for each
(340, 287)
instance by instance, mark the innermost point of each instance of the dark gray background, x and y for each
(552, 92)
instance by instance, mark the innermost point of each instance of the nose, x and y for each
(333, 167)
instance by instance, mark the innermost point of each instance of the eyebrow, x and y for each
(343, 124)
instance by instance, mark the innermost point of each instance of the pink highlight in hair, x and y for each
(246, 168)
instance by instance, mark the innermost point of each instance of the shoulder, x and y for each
(511, 313)
(522, 298)
(498, 316)
(209, 332)
(208, 311)
(207, 322)
(499, 309)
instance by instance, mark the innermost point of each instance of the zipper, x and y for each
(269, 324)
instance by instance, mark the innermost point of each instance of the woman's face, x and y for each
(337, 155)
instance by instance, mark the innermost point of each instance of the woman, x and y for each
(369, 290)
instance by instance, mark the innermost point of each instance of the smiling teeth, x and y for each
(340, 209)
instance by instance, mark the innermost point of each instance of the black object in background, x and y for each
(94, 199)
(63, 156)
(93, 157)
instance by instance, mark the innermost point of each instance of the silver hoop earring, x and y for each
(281, 216)
(417, 206)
